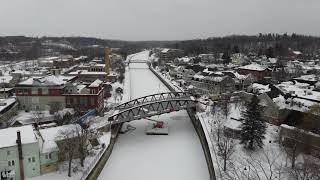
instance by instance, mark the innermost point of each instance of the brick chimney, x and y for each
(18, 141)
(107, 60)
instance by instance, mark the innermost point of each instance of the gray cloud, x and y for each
(157, 19)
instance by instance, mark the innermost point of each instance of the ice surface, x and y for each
(138, 156)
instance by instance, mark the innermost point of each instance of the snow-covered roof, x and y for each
(165, 50)
(8, 136)
(86, 72)
(51, 135)
(4, 103)
(184, 59)
(47, 81)
(301, 90)
(296, 52)
(5, 79)
(198, 76)
(260, 88)
(96, 83)
(233, 124)
(310, 77)
(253, 67)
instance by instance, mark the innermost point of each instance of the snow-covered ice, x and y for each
(138, 156)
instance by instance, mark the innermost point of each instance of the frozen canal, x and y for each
(136, 156)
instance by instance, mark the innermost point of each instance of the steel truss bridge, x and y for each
(151, 105)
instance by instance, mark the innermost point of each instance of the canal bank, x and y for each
(197, 126)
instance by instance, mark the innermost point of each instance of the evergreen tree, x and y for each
(253, 127)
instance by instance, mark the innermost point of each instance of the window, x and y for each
(50, 157)
(8, 153)
(34, 91)
(33, 159)
(11, 163)
(83, 101)
(47, 157)
(29, 160)
(44, 91)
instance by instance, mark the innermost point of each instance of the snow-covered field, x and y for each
(138, 156)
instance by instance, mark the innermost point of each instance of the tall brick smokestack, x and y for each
(107, 60)
(20, 155)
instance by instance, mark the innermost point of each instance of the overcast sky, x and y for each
(157, 19)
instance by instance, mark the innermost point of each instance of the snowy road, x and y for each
(137, 156)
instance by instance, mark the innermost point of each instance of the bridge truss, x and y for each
(150, 109)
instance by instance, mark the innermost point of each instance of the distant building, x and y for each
(167, 55)
(256, 70)
(207, 58)
(212, 85)
(91, 71)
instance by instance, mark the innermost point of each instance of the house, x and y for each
(207, 58)
(241, 81)
(8, 108)
(41, 92)
(212, 84)
(306, 141)
(311, 79)
(271, 111)
(256, 70)
(167, 55)
(19, 151)
(51, 147)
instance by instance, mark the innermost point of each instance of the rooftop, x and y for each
(46, 81)
(8, 136)
(96, 83)
(51, 135)
(253, 67)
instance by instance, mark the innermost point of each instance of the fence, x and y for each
(92, 164)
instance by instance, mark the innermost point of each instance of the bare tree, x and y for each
(68, 143)
(55, 106)
(308, 170)
(268, 166)
(83, 137)
(38, 115)
(226, 149)
(292, 146)
(264, 167)
(216, 123)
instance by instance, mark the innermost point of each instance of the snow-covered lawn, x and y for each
(269, 162)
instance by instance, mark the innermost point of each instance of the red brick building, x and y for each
(85, 97)
(256, 70)
(40, 92)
